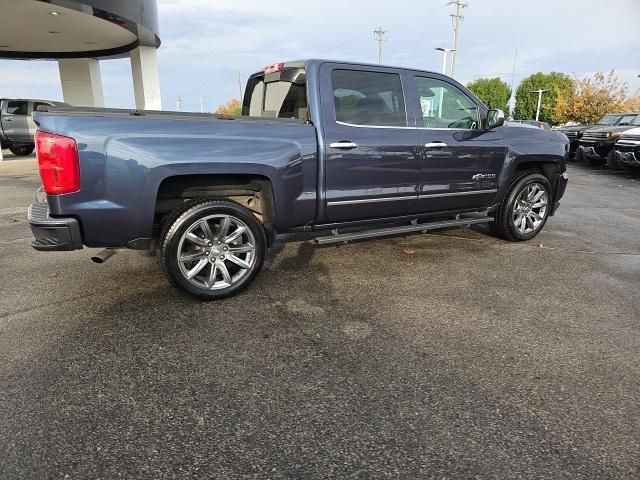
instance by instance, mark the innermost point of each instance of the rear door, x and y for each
(371, 151)
(461, 163)
(15, 118)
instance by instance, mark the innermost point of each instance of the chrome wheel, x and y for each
(216, 252)
(530, 209)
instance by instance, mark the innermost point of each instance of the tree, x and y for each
(232, 107)
(494, 92)
(527, 102)
(594, 97)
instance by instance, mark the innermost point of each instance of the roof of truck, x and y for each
(307, 62)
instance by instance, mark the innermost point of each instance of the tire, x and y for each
(612, 161)
(223, 265)
(22, 150)
(632, 169)
(505, 224)
(594, 160)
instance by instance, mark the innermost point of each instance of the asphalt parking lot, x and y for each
(450, 355)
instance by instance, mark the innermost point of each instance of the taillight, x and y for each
(58, 161)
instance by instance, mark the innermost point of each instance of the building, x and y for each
(78, 34)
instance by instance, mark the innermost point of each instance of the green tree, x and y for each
(527, 102)
(494, 92)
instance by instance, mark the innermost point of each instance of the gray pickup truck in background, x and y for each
(17, 128)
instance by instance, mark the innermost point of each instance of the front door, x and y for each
(371, 152)
(461, 162)
(15, 120)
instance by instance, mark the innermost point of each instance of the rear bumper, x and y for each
(53, 234)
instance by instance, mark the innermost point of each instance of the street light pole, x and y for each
(539, 92)
(445, 52)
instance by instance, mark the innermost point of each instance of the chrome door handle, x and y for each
(347, 145)
(435, 145)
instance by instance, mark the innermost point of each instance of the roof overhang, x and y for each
(54, 29)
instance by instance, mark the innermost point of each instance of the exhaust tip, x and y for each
(103, 256)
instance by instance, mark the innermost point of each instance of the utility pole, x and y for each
(239, 84)
(457, 19)
(379, 33)
(202, 104)
(539, 92)
(513, 80)
(179, 104)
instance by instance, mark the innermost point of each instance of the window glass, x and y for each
(17, 108)
(626, 120)
(280, 99)
(37, 104)
(368, 98)
(445, 106)
(609, 120)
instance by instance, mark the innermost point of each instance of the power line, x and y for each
(457, 19)
(379, 32)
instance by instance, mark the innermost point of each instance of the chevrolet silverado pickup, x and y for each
(16, 125)
(354, 150)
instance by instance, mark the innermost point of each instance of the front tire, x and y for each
(212, 249)
(22, 150)
(612, 161)
(525, 208)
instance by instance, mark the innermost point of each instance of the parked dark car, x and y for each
(596, 144)
(321, 146)
(16, 125)
(535, 123)
(575, 132)
(627, 150)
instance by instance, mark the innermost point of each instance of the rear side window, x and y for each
(38, 104)
(277, 95)
(17, 108)
(368, 98)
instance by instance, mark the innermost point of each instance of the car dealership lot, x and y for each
(452, 355)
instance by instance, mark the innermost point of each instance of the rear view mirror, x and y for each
(495, 118)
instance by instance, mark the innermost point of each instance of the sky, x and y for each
(205, 43)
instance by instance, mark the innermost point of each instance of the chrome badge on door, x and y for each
(483, 176)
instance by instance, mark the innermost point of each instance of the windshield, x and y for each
(628, 120)
(276, 95)
(609, 120)
(636, 121)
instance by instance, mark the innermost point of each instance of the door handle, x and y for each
(345, 145)
(435, 145)
(8, 119)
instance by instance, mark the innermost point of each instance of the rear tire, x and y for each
(525, 208)
(22, 150)
(212, 249)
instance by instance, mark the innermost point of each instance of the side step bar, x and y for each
(414, 227)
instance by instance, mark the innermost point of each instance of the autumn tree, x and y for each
(594, 97)
(232, 107)
(527, 102)
(494, 92)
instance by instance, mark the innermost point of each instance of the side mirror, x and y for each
(495, 118)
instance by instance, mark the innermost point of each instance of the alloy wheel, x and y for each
(216, 252)
(530, 209)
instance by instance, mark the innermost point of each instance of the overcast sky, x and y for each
(205, 41)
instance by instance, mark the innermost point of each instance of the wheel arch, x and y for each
(253, 191)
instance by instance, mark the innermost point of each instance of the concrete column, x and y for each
(146, 78)
(81, 82)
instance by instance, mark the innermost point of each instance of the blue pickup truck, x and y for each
(354, 150)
